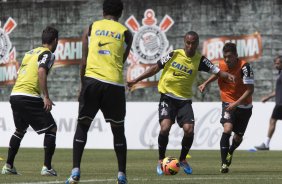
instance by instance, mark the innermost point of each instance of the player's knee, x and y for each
(188, 133)
(165, 129)
(227, 129)
(188, 130)
(20, 132)
(53, 129)
(238, 138)
(81, 131)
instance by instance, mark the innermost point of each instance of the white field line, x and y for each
(161, 179)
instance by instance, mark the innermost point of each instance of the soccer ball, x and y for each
(170, 165)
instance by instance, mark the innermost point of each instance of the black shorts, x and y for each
(239, 117)
(30, 111)
(170, 108)
(277, 112)
(109, 98)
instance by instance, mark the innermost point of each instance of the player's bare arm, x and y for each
(148, 73)
(266, 98)
(128, 41)
(248, 92)
(42, 76)
(206, 65)
(203, 86)
(84, 52)
(226, 75)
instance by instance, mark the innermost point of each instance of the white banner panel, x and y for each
(142, 127)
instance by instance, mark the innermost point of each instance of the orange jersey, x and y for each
(231, 92)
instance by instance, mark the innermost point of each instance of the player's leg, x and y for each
(42, 122)
(271, 129)
(236, 141)
(167, 116)
(120, 148)
(224, 141)
(240, 122)
(113, 107)
(276, 115)
(226, 121)
(186, 145)
(89, 104)
(165, 126)
(185, 119)
(79, 142)
(14, 145)
(15, 141)
(49, 149)
(187, 140)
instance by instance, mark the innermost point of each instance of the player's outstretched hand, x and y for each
(131, 83)
(264, 99)
(231, 106)
(231, 77)
(202, 87)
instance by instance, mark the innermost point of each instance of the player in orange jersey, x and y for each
(236, 101)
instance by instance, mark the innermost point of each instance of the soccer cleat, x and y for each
(8, 170)
(262, 147)
(228, 159)
(74, 178)
(160, 168)
(48, 172)
(186, 167)
(224, 168)
(122, 180)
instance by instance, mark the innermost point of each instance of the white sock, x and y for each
(120, 174)
(75, 170)
(267, 141)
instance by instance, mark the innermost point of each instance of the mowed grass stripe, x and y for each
(159, 179)
(99, 166)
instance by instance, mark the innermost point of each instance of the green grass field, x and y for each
(99, 166)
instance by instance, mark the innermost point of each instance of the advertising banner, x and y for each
(8, 64)
(249, 47)
(68, 52)
(142, 127)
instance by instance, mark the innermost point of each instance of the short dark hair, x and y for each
(193, 33)
(49, 34)
(113, 7)
(230, 47)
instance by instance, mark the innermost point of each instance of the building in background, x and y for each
(211, 19)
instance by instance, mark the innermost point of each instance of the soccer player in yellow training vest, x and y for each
(180, 68)
(102, 84)
(27, 105)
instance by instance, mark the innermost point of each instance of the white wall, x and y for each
(142, 127)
